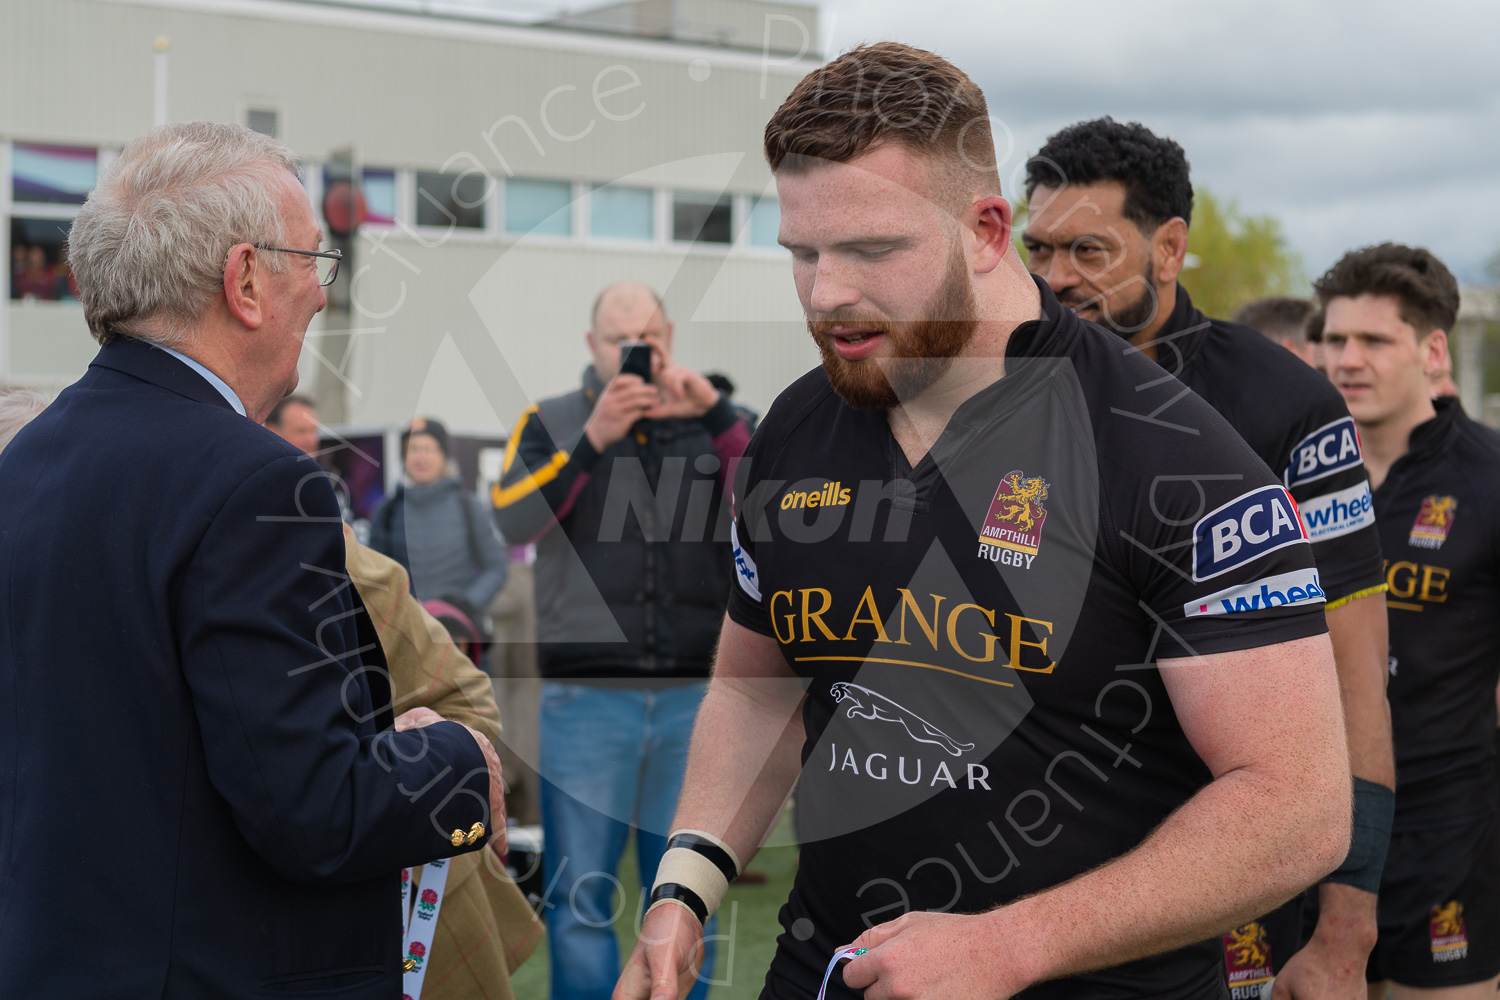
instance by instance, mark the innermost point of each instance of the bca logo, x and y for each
(1244, 529)
(1325, 451)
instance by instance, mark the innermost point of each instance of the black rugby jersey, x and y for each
(985, 717)
(1296, 421)
(1439, 517)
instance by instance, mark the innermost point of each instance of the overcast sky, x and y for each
(1352, 122)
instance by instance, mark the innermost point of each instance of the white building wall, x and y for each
(414, 93)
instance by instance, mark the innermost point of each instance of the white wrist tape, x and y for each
(705, 835)
(689, 868)
(693, 870)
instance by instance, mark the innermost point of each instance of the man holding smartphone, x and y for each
(621, 485)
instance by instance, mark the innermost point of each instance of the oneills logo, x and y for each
(1016, 515)
(1247, 960)
(1430, 529)
(831, 495)
(1446, 931)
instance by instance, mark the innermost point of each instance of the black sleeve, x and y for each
(1207, 539)
(536, 478)
(1325, 472)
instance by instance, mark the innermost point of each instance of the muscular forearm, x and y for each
(746, 750)
(1358, 632)
(743, 761)
(1275, 818)
(745, 757)
(1346, 918)
(1230, 854)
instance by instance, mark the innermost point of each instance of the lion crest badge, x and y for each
(1017, 513)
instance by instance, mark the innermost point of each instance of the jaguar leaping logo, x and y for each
(867, 704)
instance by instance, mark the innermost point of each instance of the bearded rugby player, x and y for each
(1052, 678)
(1110, 205)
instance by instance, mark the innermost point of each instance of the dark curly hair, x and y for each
(1153, 170)
(1424, 286)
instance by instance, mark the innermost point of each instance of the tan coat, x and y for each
(485, 929)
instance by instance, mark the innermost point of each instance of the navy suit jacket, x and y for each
(200, 794)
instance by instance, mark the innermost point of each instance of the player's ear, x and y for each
(1169, 250)
(990, 221)
(1434, 352)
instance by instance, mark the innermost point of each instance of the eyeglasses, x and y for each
(326, 261)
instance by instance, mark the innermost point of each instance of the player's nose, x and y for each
(1351, 355)
(832, 287)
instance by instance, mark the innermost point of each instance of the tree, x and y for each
(1235, 258)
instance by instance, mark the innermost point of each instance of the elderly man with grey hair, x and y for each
(207, 791)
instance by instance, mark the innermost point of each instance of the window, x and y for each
(533, 206)
(39, 260)
(450, 199)
(379, 188)
(380, 197)
(765, 221)
(262, 120)
(53, 175)
(622, 213)
(701, 218)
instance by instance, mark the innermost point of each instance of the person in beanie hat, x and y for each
(442, 535)
(429, 428)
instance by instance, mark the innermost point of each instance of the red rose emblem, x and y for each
(418, 949)
(406, 874)
(429, 896)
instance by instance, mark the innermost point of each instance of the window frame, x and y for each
(48, 209)
(708, 246)
(487, 206)
(576, 213)
(653, 239)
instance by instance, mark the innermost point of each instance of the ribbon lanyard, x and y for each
(842, 955)
(419, 922)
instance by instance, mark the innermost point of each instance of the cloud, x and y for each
(1351, 122)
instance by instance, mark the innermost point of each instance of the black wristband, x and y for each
(710, 850)
(684, 895)
(1374, 809)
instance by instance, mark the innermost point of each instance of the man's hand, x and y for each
(664, 964)
(685, 394)
(935, 956)
(625, 400)
(416, 718)
(1332, 966)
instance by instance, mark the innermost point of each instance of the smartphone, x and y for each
(635, 358)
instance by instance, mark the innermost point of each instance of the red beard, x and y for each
(925, 348)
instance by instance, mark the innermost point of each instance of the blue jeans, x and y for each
(612, 758)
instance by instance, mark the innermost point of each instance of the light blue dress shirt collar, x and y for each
(213, 379)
